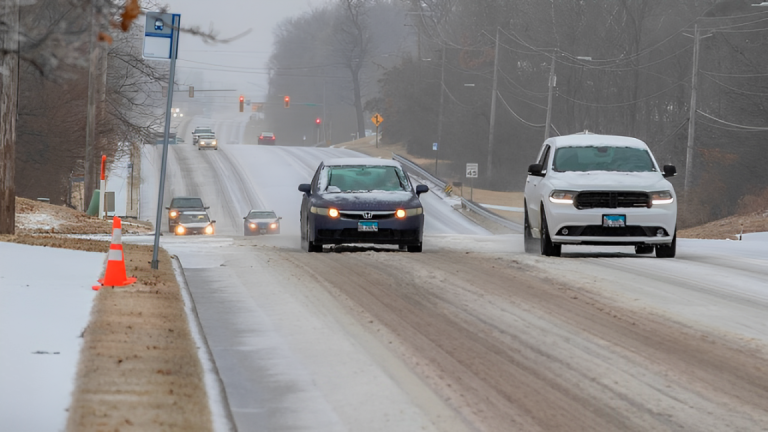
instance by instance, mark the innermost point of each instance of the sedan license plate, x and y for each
(614, 221)
(368, 226)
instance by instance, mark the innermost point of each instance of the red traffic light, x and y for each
(242, 98)
(318, 121)
(287, 101)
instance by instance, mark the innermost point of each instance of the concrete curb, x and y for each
(221, 415)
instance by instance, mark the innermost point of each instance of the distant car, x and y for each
(194, 223)
(198, 131)
(363, 200)
(207, 141)
(182, 204)
(261, 222)
(599, 190)
(267, 138)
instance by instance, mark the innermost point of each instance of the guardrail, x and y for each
(465, 202)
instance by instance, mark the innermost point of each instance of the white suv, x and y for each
(599, 190)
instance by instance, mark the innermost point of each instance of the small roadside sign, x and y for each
(159, 34)
(471, 170)
(377, 119)
(434, 146)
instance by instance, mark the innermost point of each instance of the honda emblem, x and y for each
(367, 215)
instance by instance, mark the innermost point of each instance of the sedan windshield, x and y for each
(262, 215)
(186, 218)
(603, 158)
(364, 179)
(187, 203)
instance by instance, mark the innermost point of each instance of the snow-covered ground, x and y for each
(45, 304)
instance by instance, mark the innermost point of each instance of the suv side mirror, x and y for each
(306, 188)
(535, 170)
(670, 171)
(279, 218)
(206, 208)
(420, 189)
(167, 208)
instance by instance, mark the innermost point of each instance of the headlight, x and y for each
(332, 212)
(173, 214)
(180, 230)
(413, 212)
(209, 229)
(663, 197)
(400, 214)
(213, 142)
(252, 225)
(273, 226)
(562, 197)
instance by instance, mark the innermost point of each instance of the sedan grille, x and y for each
(590, 200)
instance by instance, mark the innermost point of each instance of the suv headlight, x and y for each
(562, 197)
(663, 197)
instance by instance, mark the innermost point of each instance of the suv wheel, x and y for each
(643, 249)
(547, 247)
(667, 251)
(529, 243)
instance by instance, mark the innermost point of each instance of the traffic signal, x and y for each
(318, 121)
(287, 101)
(242, 102)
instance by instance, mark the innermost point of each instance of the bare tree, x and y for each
(9, 82)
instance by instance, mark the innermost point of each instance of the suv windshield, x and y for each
(603, 158)
(207, 136)
(202, 130)
(352, 178)
(262, 215)
(187, 203)
(193, 218)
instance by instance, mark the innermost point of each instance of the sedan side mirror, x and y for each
(206, 208)
(213, 221)
(420, 189)
(306, 188)
(670, 171)
(279, 218)
(246, 217)
(535, 170)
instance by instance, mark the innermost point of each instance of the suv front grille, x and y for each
(590, 200)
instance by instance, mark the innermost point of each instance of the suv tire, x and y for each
(529, 243)
(667, 251)
(547, 247)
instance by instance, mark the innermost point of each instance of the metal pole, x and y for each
(472, 189)
(377, 136)
(166, 132)
(440, 115)
(551, 91)
(692, 115)
(493, 105)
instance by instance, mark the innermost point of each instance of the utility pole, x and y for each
(94, 78)
(692, 115)
(552, 79)
(493, 106)
(9, 88)
(440, 114)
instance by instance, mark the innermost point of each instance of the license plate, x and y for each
(368, 226)
(614, 221)
(262, 231)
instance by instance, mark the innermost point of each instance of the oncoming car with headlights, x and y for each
(182, 204)
(195, 223)
(261, 222)
(207, 141)
(593, 189)
(365, 200)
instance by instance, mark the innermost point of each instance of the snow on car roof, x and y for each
(585, 140)
(361, 161)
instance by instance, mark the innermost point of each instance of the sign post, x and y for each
(471, 175)
(161, 42)
(103, 187)
(377, 119)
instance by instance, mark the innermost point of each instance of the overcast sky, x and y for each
(239, 64)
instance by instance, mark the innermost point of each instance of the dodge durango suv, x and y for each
(604, 190)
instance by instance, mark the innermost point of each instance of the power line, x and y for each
(622, 103)
(734, 88)
(746, 128)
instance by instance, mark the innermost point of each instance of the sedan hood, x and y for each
(375, 201)
(610, 181)
(269, 220)
(195, 225)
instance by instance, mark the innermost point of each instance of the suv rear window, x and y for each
(603, 158)
(187, 203)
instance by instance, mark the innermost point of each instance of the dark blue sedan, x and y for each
(365, 200)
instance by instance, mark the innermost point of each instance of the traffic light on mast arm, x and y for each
(318, 121)
(287, 101)
(242, 102)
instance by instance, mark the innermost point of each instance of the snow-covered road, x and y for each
(471, 334)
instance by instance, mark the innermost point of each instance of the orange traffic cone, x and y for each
(115, 274)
